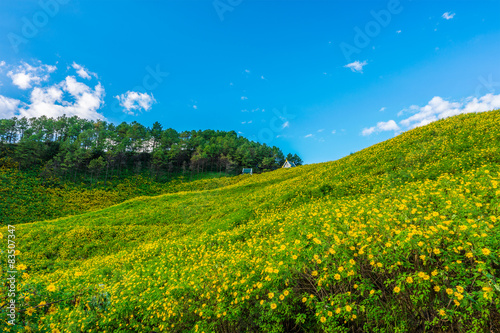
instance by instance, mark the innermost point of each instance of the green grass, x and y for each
(400, 237)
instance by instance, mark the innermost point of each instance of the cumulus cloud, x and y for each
(448, 15)
(356, 66)
(8, 107)
(68, 97)
(132, 100)
(25, 75)
(381, 127)
(83, 72)
(437, 108)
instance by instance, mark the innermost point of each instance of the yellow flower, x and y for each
(372, 292)
(486, 251)
(341, 269)
(338, 310)
(330, 313)
(437, 288)
(314, 273)
(348, 308)
(273, 306)
(449, 291)
(409, 279)
(469, 255)
(51, 288)
(282, 297)
(442, 312)
(270, 295)
(294, 257)
(460, 289)
(304, 299)
(436, 251)
(77, 274)
(22, 267)
(323, 319)
(42, 303)
(397, 289)
(434, 273)
(286, 292)
(337, 276)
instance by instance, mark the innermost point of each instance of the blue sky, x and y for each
(318, 78)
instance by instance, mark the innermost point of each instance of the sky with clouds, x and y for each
(318, 78)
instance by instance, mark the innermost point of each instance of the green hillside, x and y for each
(400, 237)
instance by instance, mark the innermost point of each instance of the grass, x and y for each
(400, 237)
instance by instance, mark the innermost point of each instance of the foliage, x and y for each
(400, 237)
(85, 150)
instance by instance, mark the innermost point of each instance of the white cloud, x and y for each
(321, 130)
(382, 109)
(69, 97)
(2, 63)
(398, 31)
(195, 107)
(243, 98)
(83, 72)
(308, 136)
(437, 108)
(25, 75)
(448, 15)
(334, 131)
(262, 77)
(356, 66)
(247, 71)
(8, 107)
(132, 100)
(381, 127)
(285, 124)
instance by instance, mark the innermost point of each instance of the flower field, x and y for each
(403, 236)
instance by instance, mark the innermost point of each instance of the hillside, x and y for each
(400, 237)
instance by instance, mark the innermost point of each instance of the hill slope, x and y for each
(401, 236)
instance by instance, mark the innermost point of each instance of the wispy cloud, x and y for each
(356, 66)
(25, 76)
(82, 71)
(381, 127)
(448, 15)
(243, 98)
(437, 108)
(334, 131)
(132, 100)
(308, 136)
(398, 32)
(285, 124)
(382, 109)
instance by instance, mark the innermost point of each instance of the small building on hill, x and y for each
(288, 164)
(248, 171)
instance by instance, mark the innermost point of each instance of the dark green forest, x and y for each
(75, 149)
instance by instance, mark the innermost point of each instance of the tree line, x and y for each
(72, 147)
